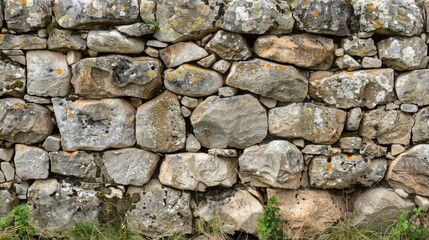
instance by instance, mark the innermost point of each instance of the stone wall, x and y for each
(166, 112)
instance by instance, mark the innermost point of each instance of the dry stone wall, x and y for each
(166, 112)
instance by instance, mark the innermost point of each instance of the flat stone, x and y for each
(401, 193)
(189, 102)
(134, 30)
(303, 50)
(192, 81)
(6, 154)
(8, 202)
(229, 46)
(409, 108)
(376, 16)
(48, 74)
(391, 106)
(192, 144)
(65, 40)
(354, 117)
(197, 171)
(354, 143)
(79, 164)
(12, 80)
(269, 79)
(311, 122)
(299, 142)
(221, 66)
(22, 42)
(82, 15)
(277, 164)
(367, 88)
(23, 16)
(8, 171)
(182, 52)
(232, 153)
(268, 102)
(403, 53)
(347, 62)
(158, 210)
(52, 143)
(422, 202)
(326, 150)
(130, 166)
(185, 111)
(152, 52)
(116, 75)
(369, 62)
(227, 91)
(160, 126)
(113, 41)
(73, 57)
(31, 162)
(421, 127)
(95, 124)
(26, 123)
(387, 126)
(155, 43)
(36, 99)
(207, 61)
(238, 122)
(322, 18)
(413, 87)
(359, 47)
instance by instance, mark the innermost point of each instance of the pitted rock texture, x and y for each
(229, 46)
(413, 87)
(345, 89)
(197, 171)
(312, 122)
(269, 79)
(12, 80)
(24, 16)
(116, 75)
(113, 41)
(22, 122)
(303, 50)
(159, 211)
(79, 164)
(277, 164)
(238, 121)
(95, 124)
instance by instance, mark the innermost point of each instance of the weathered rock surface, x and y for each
(79, 164)
(269, 79)
(367, 88)
(130, 166)
(359, 47)
(12, 79)
(69, 14)
(237, 209)
(303, 50)
(409, 170)
(7, 203)
(24, 16)
(413, 87)
(31, 162)
(113, 41)
(159, 211)
(331, 17)
(401, 17)
(403, 53)
(229, 46)
(347, 62)
(277, 164)
(22, 42)
(354, 118)
(192, 81)
(312, 122)
(47, 74)
(378, 208)
(64, 40)
(308, 212)
(95, 124)
(116, 75)
(387, 126)
(183, 52)
(238, 121)
(21, 122)
(197, 171)
(258, 17)
(134, 30)
(421, 127)
(160, 126)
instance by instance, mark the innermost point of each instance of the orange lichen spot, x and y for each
(348, 73)
(1, 36)
(317, 83)
(58, 71)
(307, 111)
(130, 118)
(315, 14)
(70, 115)
(24, 2)
(179, 71)
(349, 158)
(268, 65)
(247, 126)
(370, 7)
(18, 106)
(70, 154)
(328, 166)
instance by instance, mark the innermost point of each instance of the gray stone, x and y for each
(36, 99)
(232, 153)
(12, 80)
(353, 143)
(192, 81)
(403, 53)
(258, 17)
(421, 127)
(147, 9)
(227, 91)
(185, 111)
(221, 66)
(73, 57)
(277, 164)
(48, 74)
(197, 171)
(378, 208)
(409, 108)
(8, 171)
(192, 144)
(332, 17)
(52, 143)
(158, 211)
(269, 79)
(299, 142)
(371, 150)
(401, 193)
(31, 162)
(229, 46)
(116, 75)
(112, 41)
(422, 202)
(130, 166)
(369, 62)
(22, 42)
(311, 122)
(377, 16)
(24, 16)
(413, 87)
(325, 150)
(82, 14)
(134, 30)
(21, 190)
(2, 177)
(182, 52)
(22, 122)
(155, 43)
(303, 50)
(387, 126)
(268, 102)
(339, 52)
(238, 122)
(160, 126)
(396, 149)
(359, 47)
(354, 117)
(207, 61)
(6, 154)
(79, 164)
(347, 62)
(95, 124)
(18, 59)
(64, 40)
(367, 88)
(189, 102)
(7, 203)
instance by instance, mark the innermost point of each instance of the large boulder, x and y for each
(31, 162)
(12, 80)
(413, 87)
(24, 16)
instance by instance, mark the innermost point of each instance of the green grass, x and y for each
(15, 224)
(111, 231)
(269, 224)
